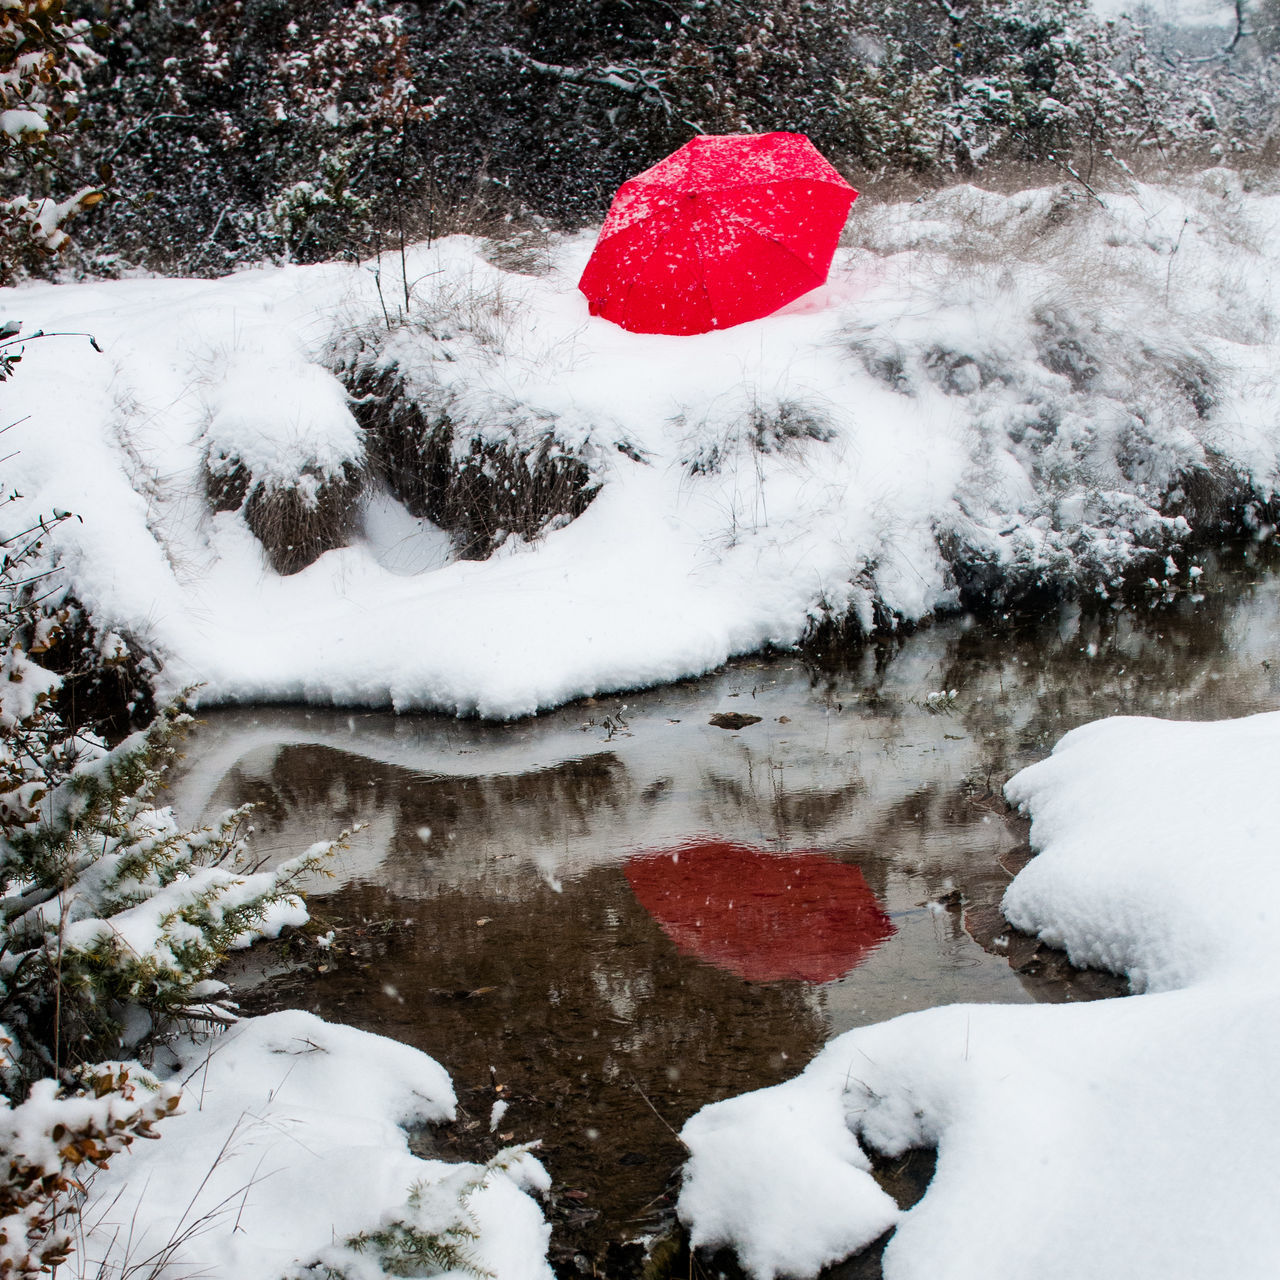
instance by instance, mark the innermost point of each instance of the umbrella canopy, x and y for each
(727, 229)
(761, 915)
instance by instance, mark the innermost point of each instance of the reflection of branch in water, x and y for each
(635, 1084)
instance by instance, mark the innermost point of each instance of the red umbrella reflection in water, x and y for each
(761, 915)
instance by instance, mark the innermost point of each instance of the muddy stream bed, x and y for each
(604, 918)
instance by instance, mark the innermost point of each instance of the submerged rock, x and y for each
(732, 720)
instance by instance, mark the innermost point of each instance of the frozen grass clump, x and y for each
(435, 390)
(750, 423)
(282, 447)
(298, 522)
(481, 478)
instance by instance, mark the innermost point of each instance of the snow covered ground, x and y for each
(992, 395)
(289, 1158)
(1128, 1138)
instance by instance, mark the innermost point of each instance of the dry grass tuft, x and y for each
(296, 521)
(766, 426)
(479, 488)
(226, 481)
(1216, 498)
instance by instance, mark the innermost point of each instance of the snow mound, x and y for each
(992, 397)
(1194, 809)
(1126, 1138)
(272, 413)
(289, 1144)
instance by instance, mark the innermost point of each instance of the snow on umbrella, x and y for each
(727, 229)
(761, 915)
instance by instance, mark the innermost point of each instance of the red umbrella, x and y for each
(761, 915)
(727, 229)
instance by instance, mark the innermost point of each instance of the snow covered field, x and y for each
(1126, 1138)
(993, 395)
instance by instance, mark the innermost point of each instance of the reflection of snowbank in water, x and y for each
(1006, 394)
(1128, 1138)
(495, 814)
(566, 794)
(851, 759)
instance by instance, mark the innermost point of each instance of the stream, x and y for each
(603, 918)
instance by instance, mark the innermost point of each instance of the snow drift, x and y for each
(290, 1158)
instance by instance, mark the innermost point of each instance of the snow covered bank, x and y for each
(1129, 1138)
(289, 1158)
(992, 396)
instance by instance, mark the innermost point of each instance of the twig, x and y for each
(1168, 274)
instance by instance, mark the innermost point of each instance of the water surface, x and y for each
(548, 907)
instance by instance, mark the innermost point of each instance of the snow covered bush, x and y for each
(43, 60)
(49, 1140)
(322, 209)
(435, 1232)
(1109, 401)
(282, 445)
(112, 918)
(467, 452)
(955, 87)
